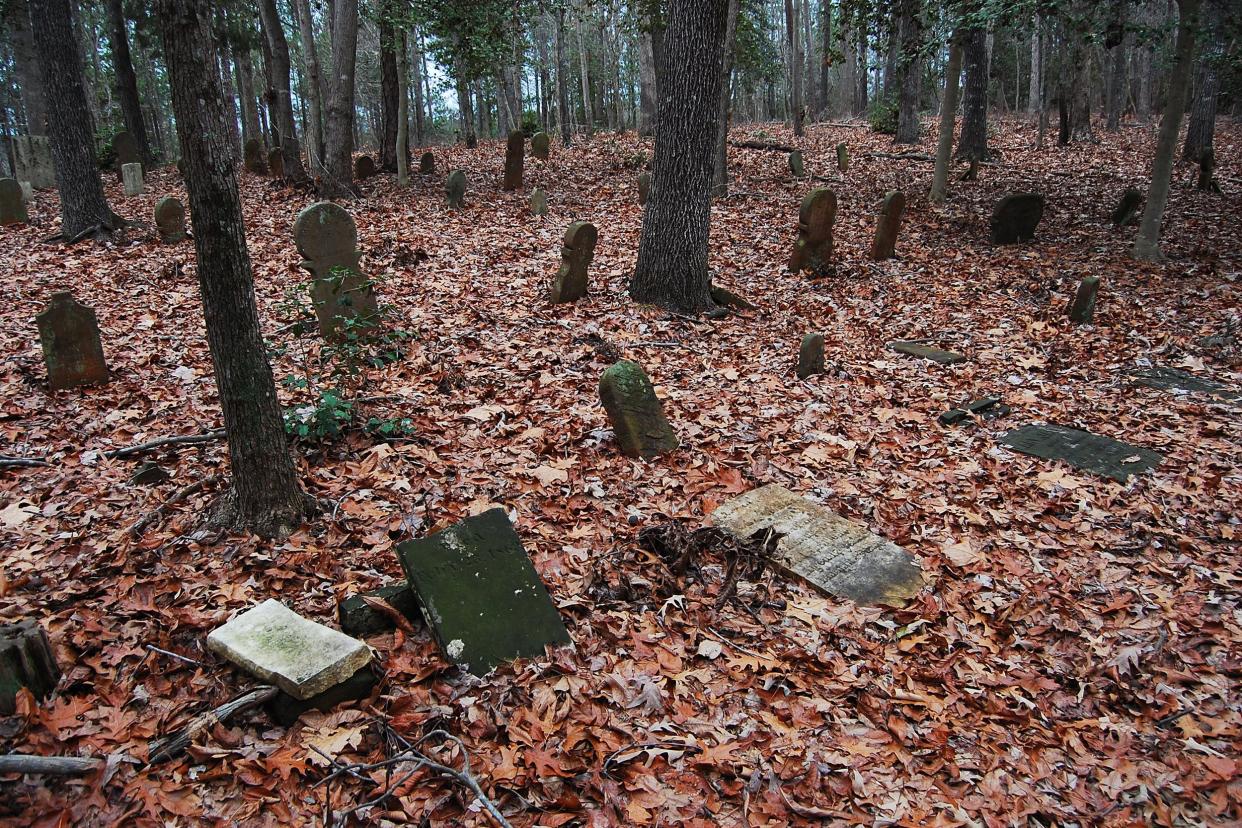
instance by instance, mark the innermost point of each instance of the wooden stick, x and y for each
(159, 511)
(184, 439)
(21, 462)
(161, 750)
(902, 156)
(49, 765)
(763, 145)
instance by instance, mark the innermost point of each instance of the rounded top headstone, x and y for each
(169, 208)
(818, 210)
(580, 233)
(324, 229)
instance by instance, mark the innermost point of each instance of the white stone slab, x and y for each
(300, 656)
(832, 553)
(131, 179)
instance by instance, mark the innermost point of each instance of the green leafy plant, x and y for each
(882, 115)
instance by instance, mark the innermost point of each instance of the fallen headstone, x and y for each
(1171, 379)
(1015, 217)
(170, 219)
(275, 644)
(813, 249)
(635, 412)
(328, 241)
(924, 351)
(427, 163)
(455, 189)
(26, 660)
(1082, 308)
(285, 708)
(577, 251)
(541, 145)
(538, 202)
(796, 167)
(480, 594)
(831, 553)
(364, 167)
(987, 407)
(843, 157)
(12, 203)
(126, 149)
(69, 336)
(34, 161)
(515, 157)
(1127, 210)
(811, 355)
(276, 162)
(1083, 450)
(728, 299)
(252, 157)
(149, 474)
(360, 619)
(131, 179)
(644, 188)
(887, 226)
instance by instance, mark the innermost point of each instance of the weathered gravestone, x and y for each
(541, 145)
(888, 225)
(1082, 308)
(1015, 217)
(285, 709)
(577, 251)
(131, 179)
(276, 162)
(12, 203)
(1127, 210)
(644, 188)
(925, 351)
(252, 157)
(843, 157)
(986, 407)
(455, 189)
(170, 219)
(515, 156)
(472, 141)
(360, 617)
(126, 149)
(635, 411)
(275, 644)
(811, 355)
(796, 166)
(1171, 379)
(427, 163)
(480, 594)
(364, 167)
(33, 154)
(1083, 450)
(26, 660)
(69, 336)
(813, 249)
(328, 241)
(538, 202)
(831, 553)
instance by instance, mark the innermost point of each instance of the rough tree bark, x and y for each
(314, 82)
(972, 145)
(402, 148)
(909, 70)
(339, 135)
(280, 101)
(1116, 42)
(126, 80)
(672, 251)
(265, 497)
(588, 116)
(948, 111)
(1034, 95)
(720, 166)
(415, 74)
(225, 57)
(647, 80)
(26, 66)
(563, 114)
(793, 38)
(245, 90)
(82, 202)
(390, 90)
(1207, 86)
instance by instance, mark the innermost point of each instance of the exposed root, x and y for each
(681, 549)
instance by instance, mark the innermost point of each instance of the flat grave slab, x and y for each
(480, 594)
(1171, 379)
(830, 552)
(925, 351)
(1083, 450)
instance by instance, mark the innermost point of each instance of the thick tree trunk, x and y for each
(26, 66)
(339, 135)
(82, 202)
(420, 128)
(1147, 243)
(588, 116)
(1207, 87)
(390, 91)
(245, 90)
(860, 101)
(720, 167)
(849, 69)
(793, 41)
(1115, 99)
(280, 101)
(126, 80)
(265, 497)
(463, 108)
(230, 95)
(973, 143)
(948, 111)
(810, 89)
(403, 111)
(909, 69)
(672, 251)
(647, 82)
(314, 82)
(562, 78)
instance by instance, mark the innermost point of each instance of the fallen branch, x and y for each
(49, 765)
(21, 462)
(161, 750)
(184, 439)
(764, 145)
(158, 512)
(902, 156)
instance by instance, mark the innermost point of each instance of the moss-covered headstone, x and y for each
(455, 189)
(69, 336)
(364, 167)
(1127, 210)
(1104, 456)
(515, 157)
(170, 219)
(131, 179)
(635, 411)
(328, 241)
(644, 187)
(811, 356)
(1082, 308)
(1015, 217)
(576, 254)
(538, 202)
(541, 145)
(888, 225)
(843, 157)
(796, 167)
(12, 203)
(252, 157)
(813, 249)
(480, 594)
(427, 163)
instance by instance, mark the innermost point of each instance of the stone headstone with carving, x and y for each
(541, 145)
(455, 189)
(538, 202)
(796, 166)
(170, 219)
(1083, 450)
(427, 163)
(576, 253)
(888, 225)
(843, 157)
(515, 157)
(1127, 210)
(811, 355)
(131, 179)
(1015, 217)
(644, 187)
(276, 162)
(69, 336)
(831, 553)
(34, 161)
(126, 149)
(364, 167)
(813, 249)
(252, 157)
(12, 203)
(1082, 308)
(328, 241)
(636, 414)
(480, 594)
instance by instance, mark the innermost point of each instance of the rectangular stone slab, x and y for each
(480, 594)
(833, 554)
(276, 645)
(919, 349)
(358, 618)
(285, 709)
(1168, 379)
(1083, 450)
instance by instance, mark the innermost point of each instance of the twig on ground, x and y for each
(177, 656)
(21, 462)
(764, 145)
(183, 439)
(159, 511)
(161, 750)
(902, 156)
(49, 765)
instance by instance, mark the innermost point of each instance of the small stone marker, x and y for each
(1082, 308)
(364, 167)
(427, 163)
(480, 594)
(26, 660)
(170, 220)
(541, 145)
(924, 351)
(515, 156)
(577, 251)
(796, 167)
(126, 149)
(455, 189)
(149, 474)
(12, 204)
(69, 335)
(538, 202)
(131, 179)
(1171, 379)
(360, 619)
(300, 656)
(811, 355)
(34, 161)
(1127, 210)
(276, 162)
(1083, 450)
(813, 249)
(831, 553)
(644, 188)
(728, 299)
(843, 157)
(252, 155)
(1016, 216)
(986, 407)
(636, 414)
(888, 225)
(328, 241)
(285, 709)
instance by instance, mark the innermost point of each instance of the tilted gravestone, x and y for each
(540, 145)
(12, 203)
(811, 355)
(126, 149)
(796, 166)
(170, 219)
(515, 157)
(328, 241)
(636, 414)
(1083, 450)
(252, 157)
(843, 157)
(1015, 217)
(69, 336)
(888, 225)
(813, 249)
(577, 251)
(427, 163)
(1082, 308)
(538, 202)
(455, 189)
(644, 188)
(480, 594)
(924, 351)
(1127, 210)
(276, 162)
(34, 161)
(131, 179)
(364, 167)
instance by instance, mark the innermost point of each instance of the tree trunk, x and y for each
(420, 128)
(583, 64)
(793, 38)
(849, 69)
(672, 251)
(82, 202)
(265, 497)
(390, 90)
(860, 102)
(314, 82)
(463, 108)
(948, 111)
(245, 88)
(1034, 95)
(1207, 87)
(825, 52)
(720, 168)
(339, 135)
(909, 69)
(810, 89)
(280, 101)
(403, 111)
(647, 81)
(126, 80)
(973, 143)
(1147, 243)
(230, 95)
(562, 78)
(1115, 100)
(26, 66)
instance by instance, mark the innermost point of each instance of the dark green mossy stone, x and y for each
(455, 189)
(918, 349)
(1170, 379)
(1083, 450)
(635, 411)
(811, 356)
(360, 619)
(285, 709)
(148, 474)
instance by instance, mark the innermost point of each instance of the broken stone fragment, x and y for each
(360, 619)
(285, 709)
(919, 349)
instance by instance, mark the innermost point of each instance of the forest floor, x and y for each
(1075, 658)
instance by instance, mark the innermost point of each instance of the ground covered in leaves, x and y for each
(1074, 660)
